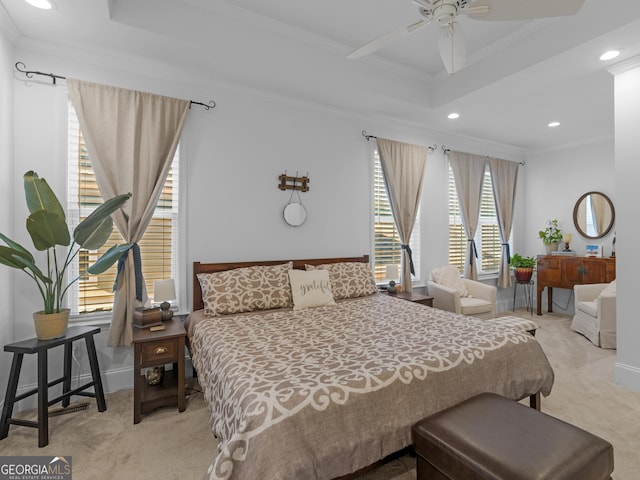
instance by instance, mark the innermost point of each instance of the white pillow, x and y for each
(310, 288)
(609, 290)
(449, 276)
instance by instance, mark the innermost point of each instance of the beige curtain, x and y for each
(599, 212)
(468, 172)
(131, 137)
(403, 169)
(504, 175)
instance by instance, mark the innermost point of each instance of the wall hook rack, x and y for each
(294, 183)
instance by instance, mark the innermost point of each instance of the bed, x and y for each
(325, 391)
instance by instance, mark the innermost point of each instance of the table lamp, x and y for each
(566, 237)
(163, 292)
(391, 274)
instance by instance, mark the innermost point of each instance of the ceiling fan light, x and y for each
(609, 55)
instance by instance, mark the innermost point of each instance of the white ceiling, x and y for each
(519, 75)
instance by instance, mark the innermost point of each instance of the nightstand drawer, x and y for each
(158, 351)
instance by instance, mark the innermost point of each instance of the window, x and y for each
(487, 237)
(387, 250)
(158, 247)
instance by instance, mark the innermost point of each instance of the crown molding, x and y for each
(624, 66)
(7, 26)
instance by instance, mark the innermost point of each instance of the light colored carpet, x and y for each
(169, 445)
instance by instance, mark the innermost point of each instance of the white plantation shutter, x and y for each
(487, 236)
(386, 242)
(158, 246)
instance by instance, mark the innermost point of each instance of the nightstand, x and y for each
(415, 298)
(154, 349)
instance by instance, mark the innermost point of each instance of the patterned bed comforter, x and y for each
(323, 392)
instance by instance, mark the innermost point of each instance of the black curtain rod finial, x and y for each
(206, 106)
(368, 137)
(31, 73)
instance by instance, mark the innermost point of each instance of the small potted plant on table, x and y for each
(551, 236)
(522, 267)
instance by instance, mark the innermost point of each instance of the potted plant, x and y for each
(551, 236)
(522, 267)
(48, 229)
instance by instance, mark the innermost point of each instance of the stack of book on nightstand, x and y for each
(563, 252)
(147, 317)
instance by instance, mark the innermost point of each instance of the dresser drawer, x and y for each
(160, 351)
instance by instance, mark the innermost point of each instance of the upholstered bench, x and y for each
(491, 437)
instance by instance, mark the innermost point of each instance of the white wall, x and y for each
(231, 159)
(555, 181)
(6, 196)
(627, 146)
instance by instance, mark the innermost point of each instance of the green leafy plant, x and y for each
(518, 261)
(48, 229)
(551, 234)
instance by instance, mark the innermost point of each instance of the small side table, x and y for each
(41, 347)
(528, 294)
(154, 349)
(414, 297)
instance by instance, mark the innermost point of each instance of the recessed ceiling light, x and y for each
(554, 124)
(43, 4)
(453, 116)
(609, 55)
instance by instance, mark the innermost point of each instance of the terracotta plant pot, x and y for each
(523, 274)
(51, 325)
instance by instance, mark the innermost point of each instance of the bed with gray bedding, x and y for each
(323, 392)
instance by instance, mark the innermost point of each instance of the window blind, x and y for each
(387, 250)
(158, 246)
(487, 237)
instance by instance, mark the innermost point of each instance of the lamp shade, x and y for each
(164, 291)
(391, 272)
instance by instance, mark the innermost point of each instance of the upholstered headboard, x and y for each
(221, 267)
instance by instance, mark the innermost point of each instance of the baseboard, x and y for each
(627, 376)
(112, 381)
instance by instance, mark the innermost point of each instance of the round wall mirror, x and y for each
(594, 215)
(295, 214)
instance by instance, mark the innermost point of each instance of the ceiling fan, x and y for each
(451, 39)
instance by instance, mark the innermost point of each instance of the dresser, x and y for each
(566, 271)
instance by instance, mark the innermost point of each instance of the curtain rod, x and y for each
(54, 78)
(446, 151)
(368, 137)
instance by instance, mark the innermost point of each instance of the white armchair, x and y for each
(460, 295)
(595, 313)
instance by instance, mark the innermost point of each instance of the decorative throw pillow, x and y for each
(449, 276)
(246, 289)
(310, 288)
(349, 279)
(609, 290)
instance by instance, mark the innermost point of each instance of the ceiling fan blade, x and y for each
(521, 9)
(452, 47)
(386, 39)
